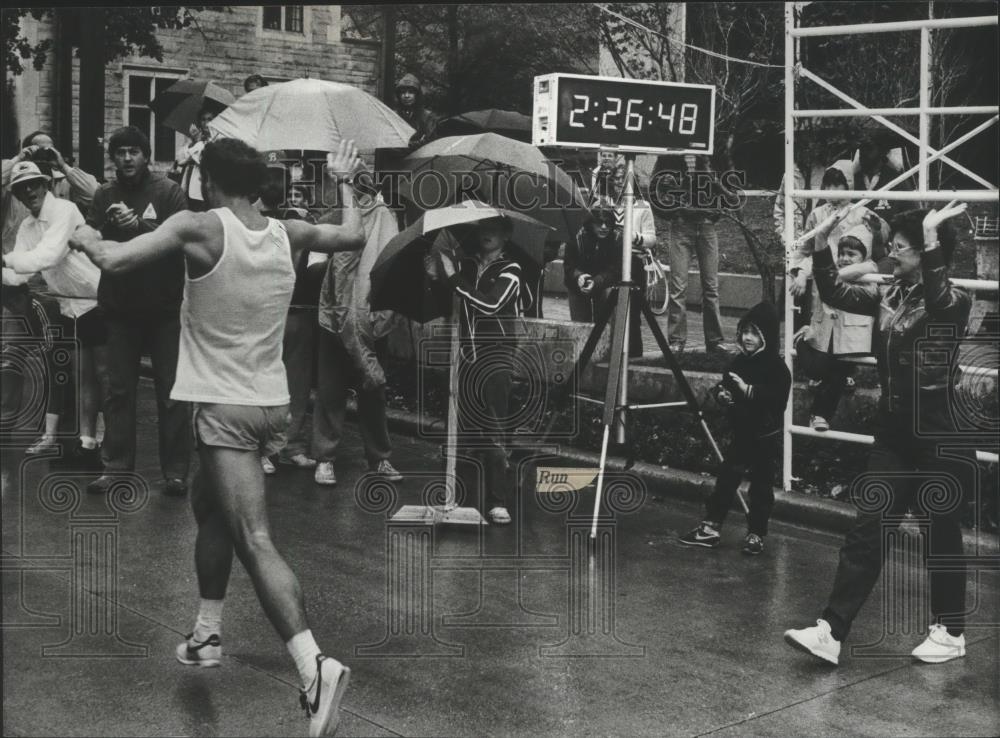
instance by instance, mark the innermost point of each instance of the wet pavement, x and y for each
(527, 630)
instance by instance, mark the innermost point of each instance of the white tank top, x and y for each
(233, 320)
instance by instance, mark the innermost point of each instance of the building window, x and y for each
(283, 18)
(140, 90)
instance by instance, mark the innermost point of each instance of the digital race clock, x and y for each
(579, 111)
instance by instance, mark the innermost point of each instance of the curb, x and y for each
(789, 507)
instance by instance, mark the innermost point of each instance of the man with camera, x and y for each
(66, 183)
(142, 310)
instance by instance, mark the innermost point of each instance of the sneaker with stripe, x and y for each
(204, 653)
(326, 691)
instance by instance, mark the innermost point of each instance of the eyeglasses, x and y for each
(895, 249)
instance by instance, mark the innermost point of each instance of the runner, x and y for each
(237, 291)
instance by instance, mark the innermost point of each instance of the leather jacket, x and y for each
(917, 328)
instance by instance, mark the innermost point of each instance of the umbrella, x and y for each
(312, 114)
(498, 170)
(178, 105)
(398, 279)
(505, 122)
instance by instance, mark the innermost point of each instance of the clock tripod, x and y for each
(626, 296)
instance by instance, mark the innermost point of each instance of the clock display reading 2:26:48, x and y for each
(636, 114)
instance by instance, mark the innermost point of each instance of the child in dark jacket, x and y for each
(755, 391)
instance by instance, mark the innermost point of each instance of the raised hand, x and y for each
(343, 162)
(935, 218)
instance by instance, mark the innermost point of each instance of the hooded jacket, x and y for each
(423, 120)
(759, 413)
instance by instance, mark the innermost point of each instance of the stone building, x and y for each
(224, 44)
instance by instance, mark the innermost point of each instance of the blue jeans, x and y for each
(682, 238)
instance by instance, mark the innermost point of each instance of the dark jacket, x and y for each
(423, 121)
(696, 196)
(759, 413)
(157, 287)
(908, 363)
(490, 303)
(586, 254)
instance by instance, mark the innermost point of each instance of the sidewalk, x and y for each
(684, 642)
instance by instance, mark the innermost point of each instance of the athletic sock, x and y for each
(88, 442)
(209, 620)
(302, 646)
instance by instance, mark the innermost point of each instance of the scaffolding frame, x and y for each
(794, 71)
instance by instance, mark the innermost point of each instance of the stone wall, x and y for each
(225, 45)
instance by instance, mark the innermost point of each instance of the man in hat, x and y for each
(42, 246)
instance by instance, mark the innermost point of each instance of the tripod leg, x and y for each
(685, 388)
(617, 357)
(586, 353)
(600, 481)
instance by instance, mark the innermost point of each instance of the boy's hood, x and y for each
(764, 316)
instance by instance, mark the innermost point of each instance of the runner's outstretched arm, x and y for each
(182, 231)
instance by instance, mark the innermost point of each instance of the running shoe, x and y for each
(300, 460)
(322, 700)
(754, 545)
(324, 474)
(388, 471)
(704, 535)
(205, 653)
(499, 516)
(816, 640)
(940, 646)
(44, 445)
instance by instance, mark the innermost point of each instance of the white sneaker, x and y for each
(42, 446)
(388, 471)
(816, 640)
(267, 465)
(205, 653)
(940, 646)
(324, 474)
(819, 423)
(322, 700)
(300, 460)
(499, 516)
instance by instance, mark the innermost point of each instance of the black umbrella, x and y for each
(178, 106)
(505, 122)
(398, 280)
(498, 170)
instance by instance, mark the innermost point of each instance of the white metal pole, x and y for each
(450, 473)
(925, 101)
(851, 30)
(790, 59)
(627, 236)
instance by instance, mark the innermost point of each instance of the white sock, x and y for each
(209, 620)
(88, 442)
(51, 424)
(302, 646)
